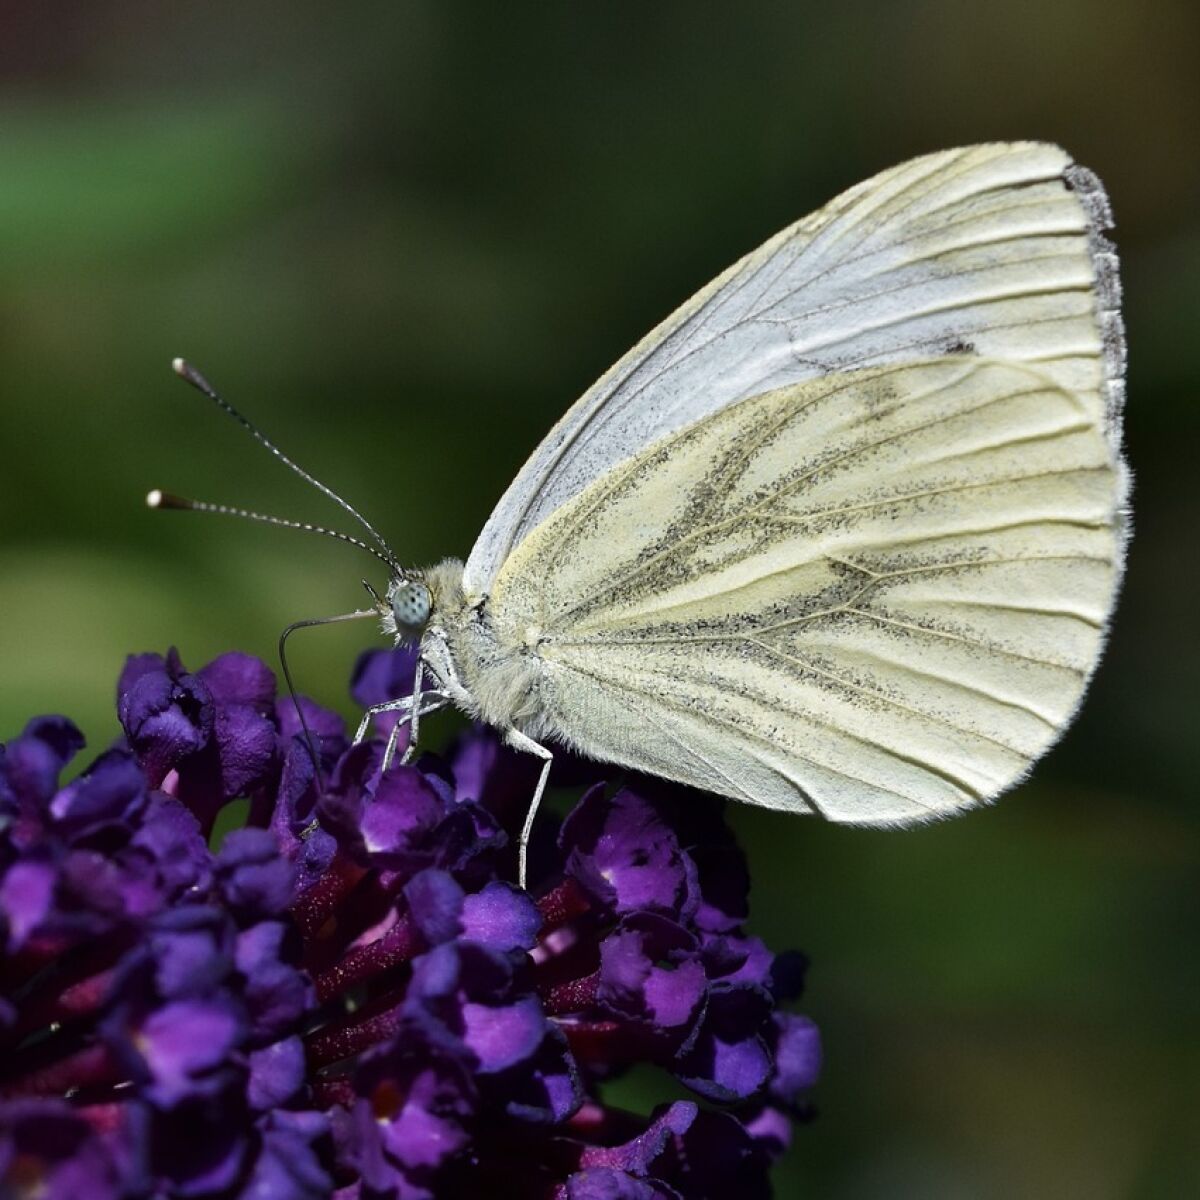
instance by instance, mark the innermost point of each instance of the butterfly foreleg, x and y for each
(519, 741)
(431, 701)
(409, 713)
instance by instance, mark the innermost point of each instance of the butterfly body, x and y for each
(490, 678)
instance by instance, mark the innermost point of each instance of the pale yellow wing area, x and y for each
(877, 595)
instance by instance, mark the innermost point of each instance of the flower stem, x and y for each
(573, 995)
(314, 909)
(92, 1066)
(363, 963)
(563, 903)
(334, 1042)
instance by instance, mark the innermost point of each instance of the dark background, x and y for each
(404, 237)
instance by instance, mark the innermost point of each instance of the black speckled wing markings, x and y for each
(994, 250)
(878, 594)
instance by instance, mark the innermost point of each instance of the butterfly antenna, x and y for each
(189, 374)
(160, 499)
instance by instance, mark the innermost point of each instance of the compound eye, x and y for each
(410, 605)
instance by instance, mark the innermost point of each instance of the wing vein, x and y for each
(978, 643)
(949, 490)
(981, 301)
(933, 677)
(860, 298)
(840, 681)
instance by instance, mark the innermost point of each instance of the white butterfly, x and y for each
(842, 535)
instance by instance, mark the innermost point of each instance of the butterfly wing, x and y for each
(994, 250)
(878, 594)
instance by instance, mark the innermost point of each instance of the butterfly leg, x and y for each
(519, 741)
(418, 685)
(402, 706)
(430, 701)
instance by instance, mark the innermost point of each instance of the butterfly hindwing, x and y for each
(878, 594)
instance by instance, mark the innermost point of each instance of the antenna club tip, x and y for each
(157, 498)
(189, 374)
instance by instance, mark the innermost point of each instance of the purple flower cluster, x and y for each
(347, 997)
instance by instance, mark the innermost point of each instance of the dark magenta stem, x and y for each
(396, 946)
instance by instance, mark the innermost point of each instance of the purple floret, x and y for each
(625, 855)
(167, 713)
(651, 973)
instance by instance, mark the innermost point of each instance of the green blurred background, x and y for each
(403, 237)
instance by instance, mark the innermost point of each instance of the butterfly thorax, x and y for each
(486, 677)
